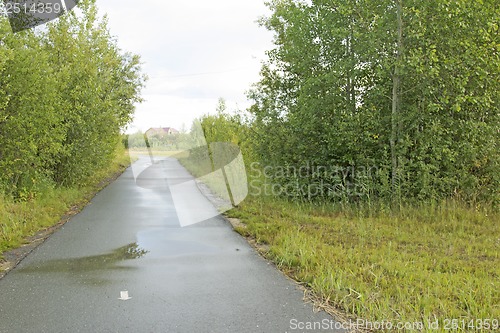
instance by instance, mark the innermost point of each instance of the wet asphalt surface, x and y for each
(199, 278)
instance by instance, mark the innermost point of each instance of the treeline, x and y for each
(405, 89)
(156, 141)
(385, 100)
(66, 90)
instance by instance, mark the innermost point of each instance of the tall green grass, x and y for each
(420, 264)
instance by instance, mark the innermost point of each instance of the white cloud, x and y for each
(194, 52)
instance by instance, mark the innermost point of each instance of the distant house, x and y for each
(161, 131)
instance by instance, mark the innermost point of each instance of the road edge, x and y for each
(310, 297)
(12, 258)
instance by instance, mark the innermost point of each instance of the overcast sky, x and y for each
(193, 52)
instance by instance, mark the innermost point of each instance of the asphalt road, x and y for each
(200, 278)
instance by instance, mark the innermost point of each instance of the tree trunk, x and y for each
(396, 98)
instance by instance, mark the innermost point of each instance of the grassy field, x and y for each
(20, 220)
(422, 265)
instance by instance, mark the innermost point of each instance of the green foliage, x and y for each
(29, 131)
(226, 127)
(214, 142)
(233, 128)
(65, 93)
(343, 89)
(99, 87)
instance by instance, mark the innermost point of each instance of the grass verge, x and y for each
(428, 265)
(20, 221)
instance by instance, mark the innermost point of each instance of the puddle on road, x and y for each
(173, 244)
(83, 265)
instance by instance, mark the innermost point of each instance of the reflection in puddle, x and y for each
(88, 264)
